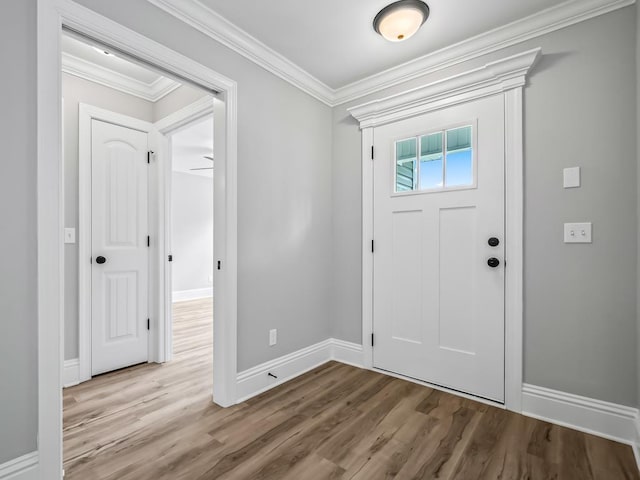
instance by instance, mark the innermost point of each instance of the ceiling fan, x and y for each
(208, 157)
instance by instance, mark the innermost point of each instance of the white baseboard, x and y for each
(71, 374)
(256, 380)
(347, 352)
(636, 444)
(21, 468)
(605, 419)
(184, 295)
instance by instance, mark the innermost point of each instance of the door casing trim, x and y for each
(160, 299)
(52, 16)
(506, 77)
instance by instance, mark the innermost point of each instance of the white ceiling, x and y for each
(119, 65)
(190, 145)
(84, 60)
(334, 40)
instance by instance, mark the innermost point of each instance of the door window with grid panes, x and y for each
(435, 161)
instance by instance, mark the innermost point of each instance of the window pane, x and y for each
(459, 165)
(431, 159)
(406, 165)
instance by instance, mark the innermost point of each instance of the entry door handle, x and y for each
(493, 262)
(100, 260)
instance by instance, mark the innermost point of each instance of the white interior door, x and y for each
(119, 229)
(438, 281)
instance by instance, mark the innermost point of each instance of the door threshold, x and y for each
(120, 370)
(458, 393)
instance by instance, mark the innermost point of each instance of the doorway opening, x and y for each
(191, 227)
(57, 16)
(138, 149)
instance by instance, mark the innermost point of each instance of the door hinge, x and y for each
(149, 153)
(148, 241)
(219, 264)
(371, 152)
(371, 246)
(372, 340)
(171, 258)
(148, 324)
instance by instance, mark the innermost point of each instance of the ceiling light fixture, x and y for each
(400, 20)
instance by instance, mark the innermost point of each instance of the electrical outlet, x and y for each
(273, 337)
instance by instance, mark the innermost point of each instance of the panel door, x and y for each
(119, 229)
(438, 278)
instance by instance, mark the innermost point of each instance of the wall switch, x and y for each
(577, 232)
(69, 235)
(210, 279)
(571, 177)
(273, 337)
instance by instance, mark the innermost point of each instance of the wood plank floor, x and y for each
(336, 422)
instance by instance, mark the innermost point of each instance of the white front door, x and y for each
(438, 298)
(119, 229)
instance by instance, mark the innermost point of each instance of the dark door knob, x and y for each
(100, 260)
(493, 262)
(493, 242)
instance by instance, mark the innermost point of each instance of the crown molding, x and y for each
(223, 31)
(93, 72)
(536, 25)
(494, 77)
(204, 19)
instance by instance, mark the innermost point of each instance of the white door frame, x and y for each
(52, 15)
(87, 113)
(505, 77)
(160, 337)
(167, 125)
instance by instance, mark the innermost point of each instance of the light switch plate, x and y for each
(69, 235)
(273, 337)
(577, 232)
(571, 177)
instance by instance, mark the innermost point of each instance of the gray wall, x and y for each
(580, 300)
(638, 193)
(18, 295)
(284, 191)
(74, 91)
(192, 231)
